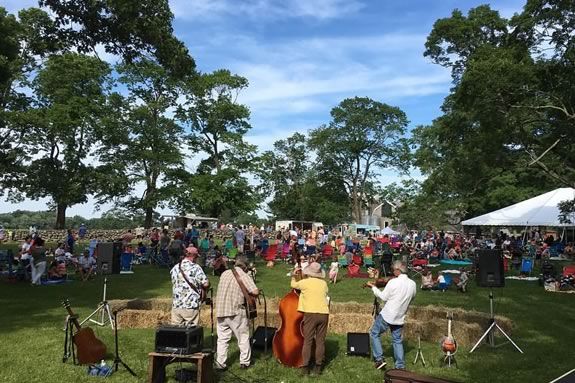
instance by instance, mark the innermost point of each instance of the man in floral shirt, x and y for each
(186, 299)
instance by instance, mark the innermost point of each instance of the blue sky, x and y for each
(303, 57)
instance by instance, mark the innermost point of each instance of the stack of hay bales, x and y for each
(428, 322)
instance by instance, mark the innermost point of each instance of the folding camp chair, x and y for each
(368, 260)
(342, 260)
(526, 265)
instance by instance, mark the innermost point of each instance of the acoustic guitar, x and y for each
(88, 348)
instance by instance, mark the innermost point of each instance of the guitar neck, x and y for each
(74, 318)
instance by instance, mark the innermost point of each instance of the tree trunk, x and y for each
(149, 217)
(61, 216)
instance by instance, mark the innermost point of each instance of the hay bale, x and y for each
(141, 318)
(427, 322)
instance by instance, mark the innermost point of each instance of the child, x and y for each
(333, 271)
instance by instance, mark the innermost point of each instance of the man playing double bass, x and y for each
(314, 304)
(397, 295)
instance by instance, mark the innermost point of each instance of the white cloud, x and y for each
(270, 9)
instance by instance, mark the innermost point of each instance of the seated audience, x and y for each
(86, 265)
(426, 280)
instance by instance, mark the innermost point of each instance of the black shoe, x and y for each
(245, 366)
(380, 364)
(304, 370)
(219, 367)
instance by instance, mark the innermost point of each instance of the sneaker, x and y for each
(317, 370)
(304, 370)
(379, 364)
(244, 366)
(219, 367)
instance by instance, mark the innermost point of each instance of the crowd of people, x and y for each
(315, 253)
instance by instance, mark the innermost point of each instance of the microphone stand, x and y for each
(117, 359)
(265, 322)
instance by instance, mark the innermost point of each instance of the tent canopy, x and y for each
(389, 231)
(537, 211)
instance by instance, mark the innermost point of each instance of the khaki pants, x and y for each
(238, 326)
(185, 317)
(314, 325)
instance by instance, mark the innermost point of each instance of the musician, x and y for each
(231, 314)
(397, 295)
(188, 280)
(313, 302)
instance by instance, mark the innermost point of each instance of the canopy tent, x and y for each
(389, 231)
(537, 211)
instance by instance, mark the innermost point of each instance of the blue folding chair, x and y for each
(527, 265)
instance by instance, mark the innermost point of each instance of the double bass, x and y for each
(288, 340)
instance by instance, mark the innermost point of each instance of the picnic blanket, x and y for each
(455, 262)
(523, 278)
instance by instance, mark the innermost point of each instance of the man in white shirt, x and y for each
(397, 295)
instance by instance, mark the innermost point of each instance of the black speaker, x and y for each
(491, 272)
(259, 337)
(179, 340)
(109, 255)
(358, 344)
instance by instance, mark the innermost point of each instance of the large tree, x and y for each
(145, 143)
(218, 125)
(364, 137)
(69, 104)
(130, 29)
(507, 129)
(23, 43)
(294, 187)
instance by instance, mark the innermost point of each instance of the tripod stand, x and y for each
(103, 311)
(68, 340)
(419, 354)
(117, 359)
(490, 332)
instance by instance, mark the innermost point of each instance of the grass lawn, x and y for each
(32, 319)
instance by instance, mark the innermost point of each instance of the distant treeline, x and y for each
(44, 220)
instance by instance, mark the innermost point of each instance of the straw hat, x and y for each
(314, 270)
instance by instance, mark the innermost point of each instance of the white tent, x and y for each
(537, 211)
(389, 231)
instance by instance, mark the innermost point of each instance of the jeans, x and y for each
(379, 327)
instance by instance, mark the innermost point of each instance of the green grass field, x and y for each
(32, 319)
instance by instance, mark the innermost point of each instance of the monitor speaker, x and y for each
(109, 256)
(260, 335)
(179, 340)
(358, 344)
(491, 272)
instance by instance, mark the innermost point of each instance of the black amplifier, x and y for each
(179, 340)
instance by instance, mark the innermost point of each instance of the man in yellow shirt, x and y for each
(313, 302)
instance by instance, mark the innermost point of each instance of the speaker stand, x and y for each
(419, 354)
(102, 311)
(490, 332)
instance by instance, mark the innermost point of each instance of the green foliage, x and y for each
(44, 220)
(141, 147)
(363, 137)
(296, 189)
(70, 98)
(131, 29)
(506, 131)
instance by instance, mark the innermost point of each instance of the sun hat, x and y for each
(314, 270)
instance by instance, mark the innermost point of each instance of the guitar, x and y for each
(251, 307)
(448, 343)
(89, 348)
